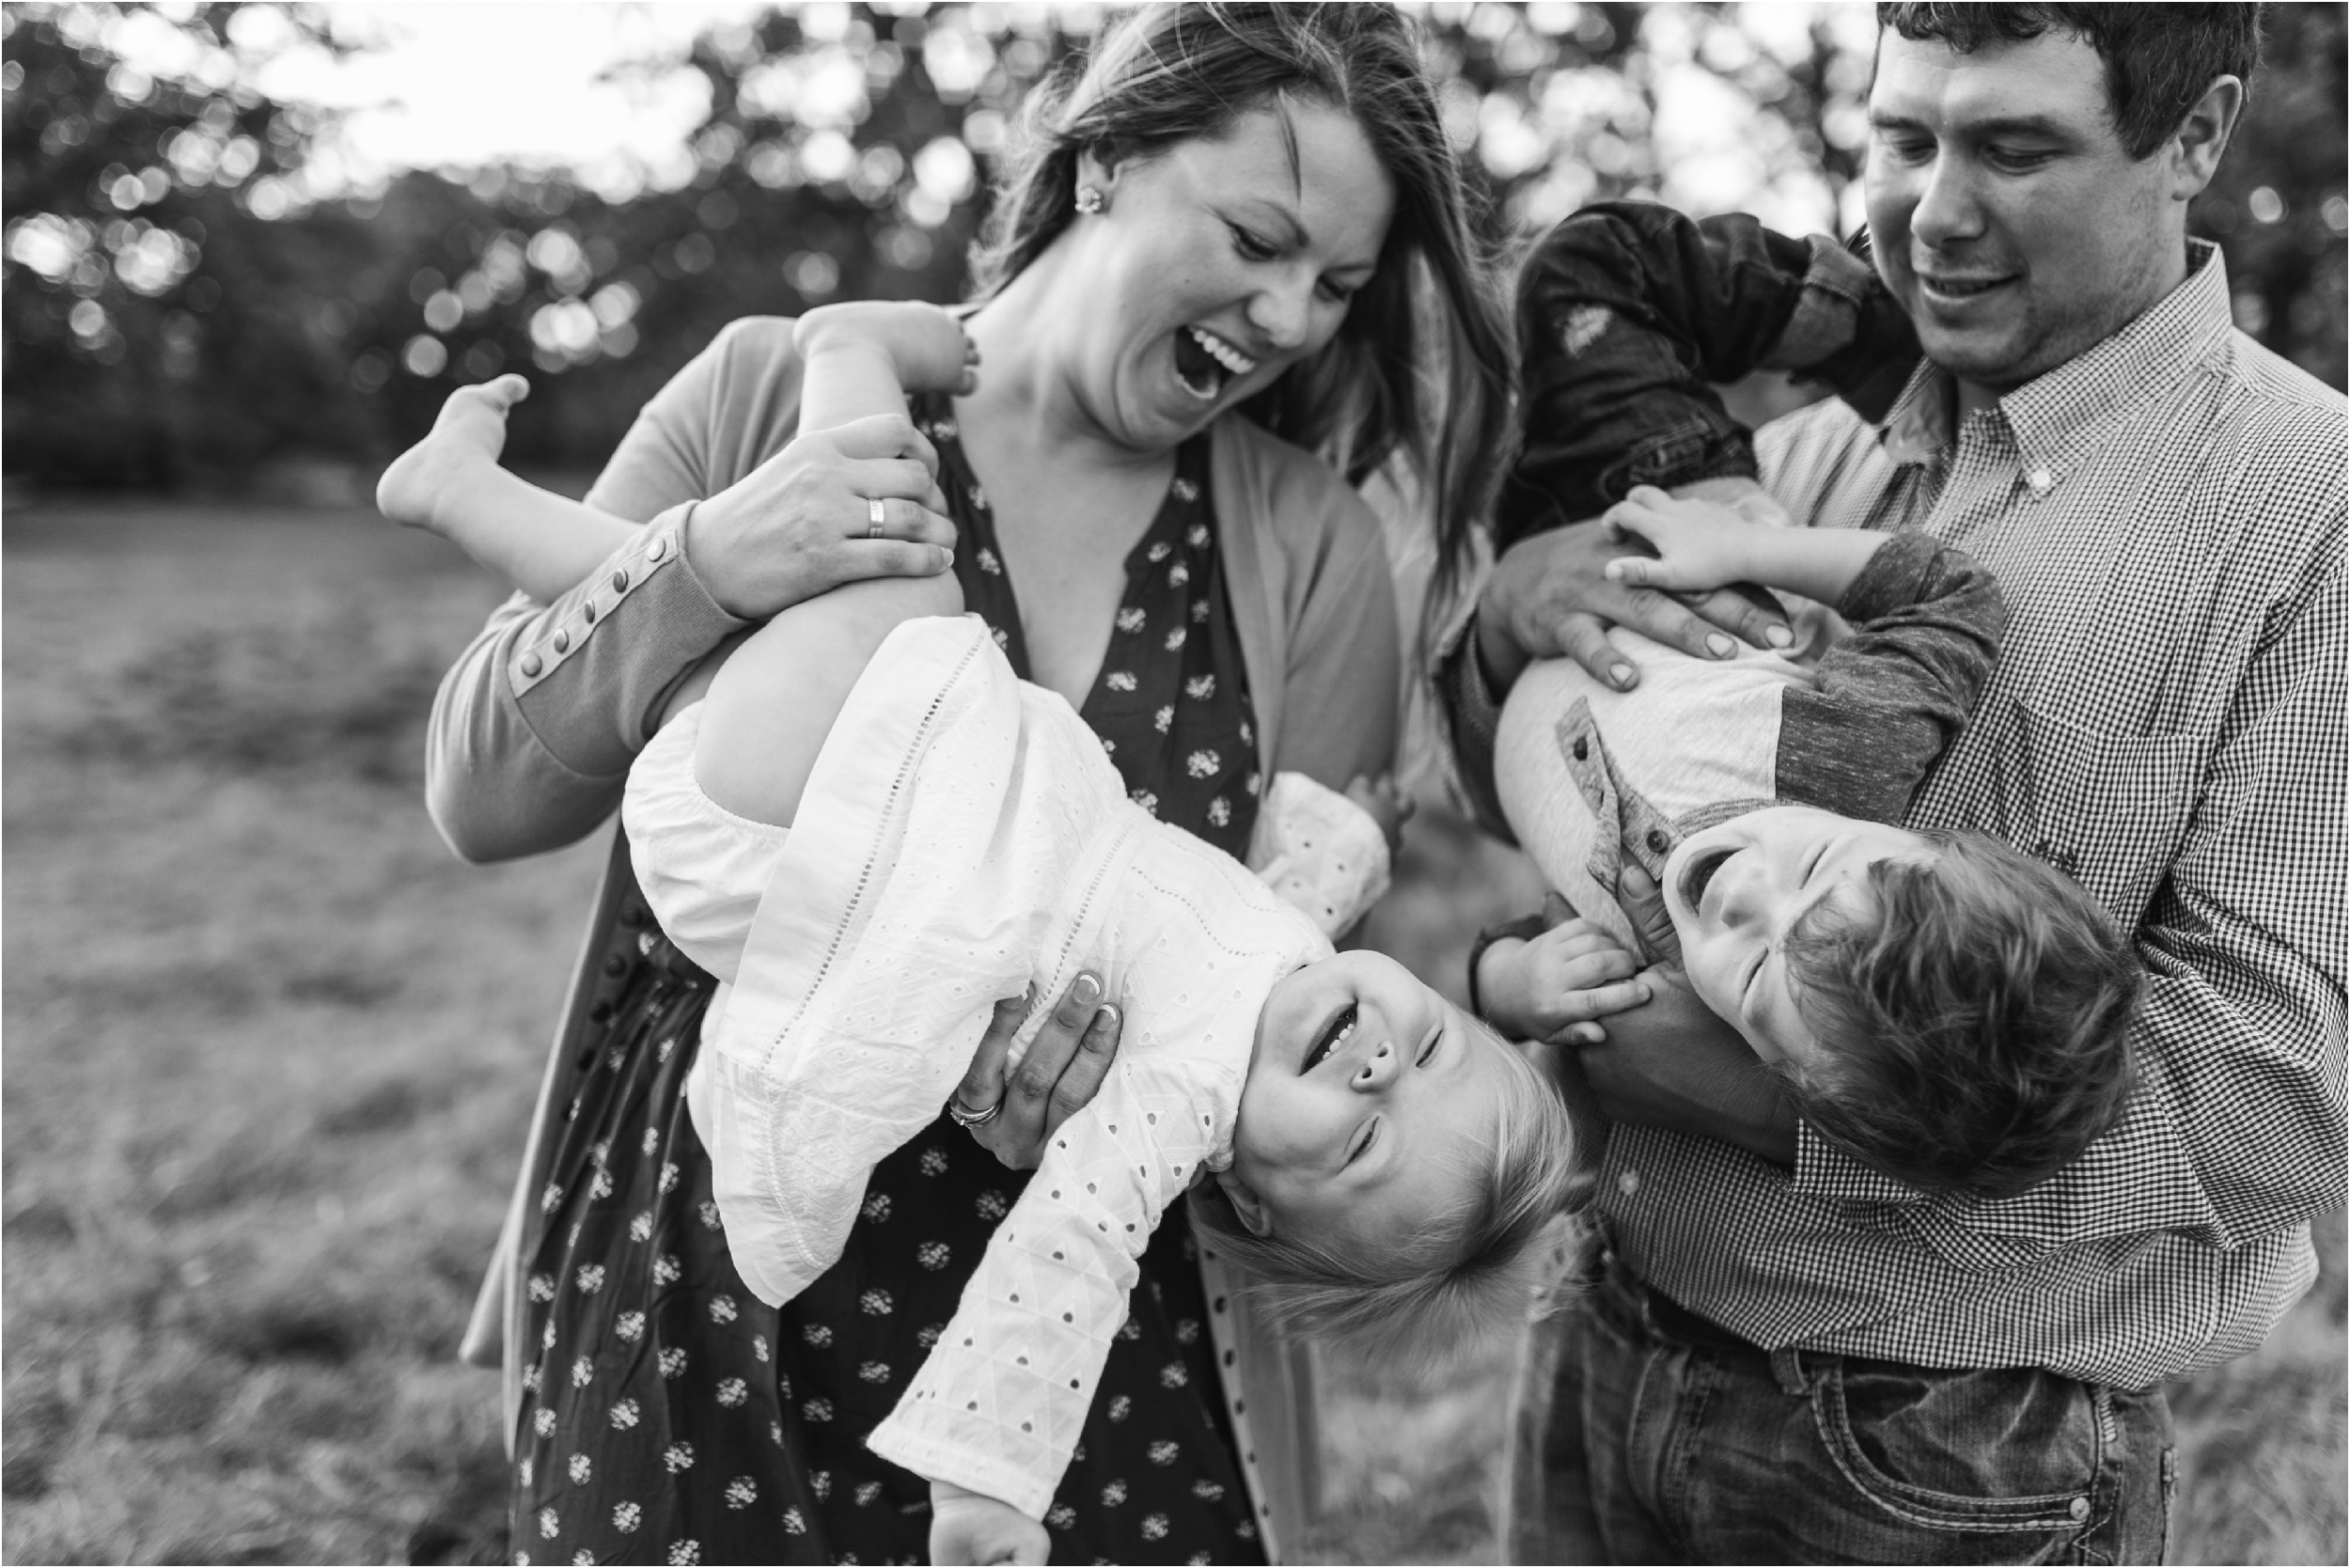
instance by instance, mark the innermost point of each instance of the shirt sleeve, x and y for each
(1345, 657)
(2234, 1131)
(534, 726)
(1002, 1400)
(1321, 852)
(1926, 621)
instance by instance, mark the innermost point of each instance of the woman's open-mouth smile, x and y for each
(1204, 363)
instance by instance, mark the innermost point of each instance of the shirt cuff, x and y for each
(593, 672)
(1472, 719)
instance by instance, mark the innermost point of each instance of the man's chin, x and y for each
(1993, 358)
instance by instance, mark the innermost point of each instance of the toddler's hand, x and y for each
(1389, 807)
(1554, 986)
(967, 1528)
(468, 434)
(1699, 544)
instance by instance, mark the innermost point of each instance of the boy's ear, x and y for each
(1254, 1217)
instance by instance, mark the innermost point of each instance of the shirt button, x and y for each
(2080, 1508)
(531, 664)
(620, 581)
(660, 550)
(1629, 1183)
(588, 612)
(1582, 749)
(562, 641)
(1657, 843)
(2042, 481)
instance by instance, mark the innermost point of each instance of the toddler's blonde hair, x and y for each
(1463, 1277)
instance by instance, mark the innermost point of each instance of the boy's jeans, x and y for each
(1665, 1439)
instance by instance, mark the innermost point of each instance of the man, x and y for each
(1789, 1356)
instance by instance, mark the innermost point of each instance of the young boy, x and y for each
(1946, 1008)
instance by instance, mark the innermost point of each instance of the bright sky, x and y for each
(447, 83)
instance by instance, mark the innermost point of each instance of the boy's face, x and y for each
(1734, 893)
(1370, 1107)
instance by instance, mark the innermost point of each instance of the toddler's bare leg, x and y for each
(450, 483)
(863, 358)
(772, 705)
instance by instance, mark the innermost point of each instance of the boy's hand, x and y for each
(1699, 544)
(966, 1528)
(1389, 807)
(1554, 986)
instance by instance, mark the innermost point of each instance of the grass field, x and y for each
(269, 1050)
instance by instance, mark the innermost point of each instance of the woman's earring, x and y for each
(1090, 199)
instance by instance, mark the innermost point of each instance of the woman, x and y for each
(1223, 242)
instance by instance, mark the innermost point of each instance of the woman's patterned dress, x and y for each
(669, 1416)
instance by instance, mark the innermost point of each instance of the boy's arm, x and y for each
(1629, 312)
(1926, 621)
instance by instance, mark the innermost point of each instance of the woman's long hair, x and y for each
(1424, 363)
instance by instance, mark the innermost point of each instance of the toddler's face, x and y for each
(1371, 1105)
(1735, 891)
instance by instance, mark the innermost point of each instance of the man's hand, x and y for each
(1672, 1063)
(1554, 986)
(801, 522)
(1060, 1074)
(966, 1528)
(1550, 595)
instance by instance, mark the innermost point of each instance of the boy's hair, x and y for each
(1973, 1021)
(2159, 60)
(1463, 1277)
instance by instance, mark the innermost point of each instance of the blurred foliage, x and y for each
(193, 287)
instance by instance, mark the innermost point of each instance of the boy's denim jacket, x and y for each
(1629, 313)
(1629, 316)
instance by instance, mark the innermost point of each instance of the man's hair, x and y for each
(1465, 1278)
(1973, 1021)
(2160, 59)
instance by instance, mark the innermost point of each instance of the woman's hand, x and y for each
(801, 522)
(1550, 596)
(1060, 1073)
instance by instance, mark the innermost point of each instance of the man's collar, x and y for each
(2156, 350)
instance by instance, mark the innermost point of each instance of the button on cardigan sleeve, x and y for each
(534, 727)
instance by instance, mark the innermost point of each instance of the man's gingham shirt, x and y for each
(2164, 514)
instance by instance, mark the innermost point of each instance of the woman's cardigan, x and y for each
(534, 728)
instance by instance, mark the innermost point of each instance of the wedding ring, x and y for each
(972, 1118)
(875, 517)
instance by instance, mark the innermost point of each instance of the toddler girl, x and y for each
(872, 830)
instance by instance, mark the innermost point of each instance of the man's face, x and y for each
(2008, 219)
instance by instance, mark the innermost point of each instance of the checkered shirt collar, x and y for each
(2044, 415)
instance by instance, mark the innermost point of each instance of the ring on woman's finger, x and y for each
(971, 1117)
(874, 518)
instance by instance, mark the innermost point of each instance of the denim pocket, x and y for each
(1973, 1451)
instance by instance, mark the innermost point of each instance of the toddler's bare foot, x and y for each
(927, 344)
(468, 436)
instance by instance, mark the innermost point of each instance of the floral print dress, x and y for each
(669, 1416)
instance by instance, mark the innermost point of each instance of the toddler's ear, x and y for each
(1253, 1214)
